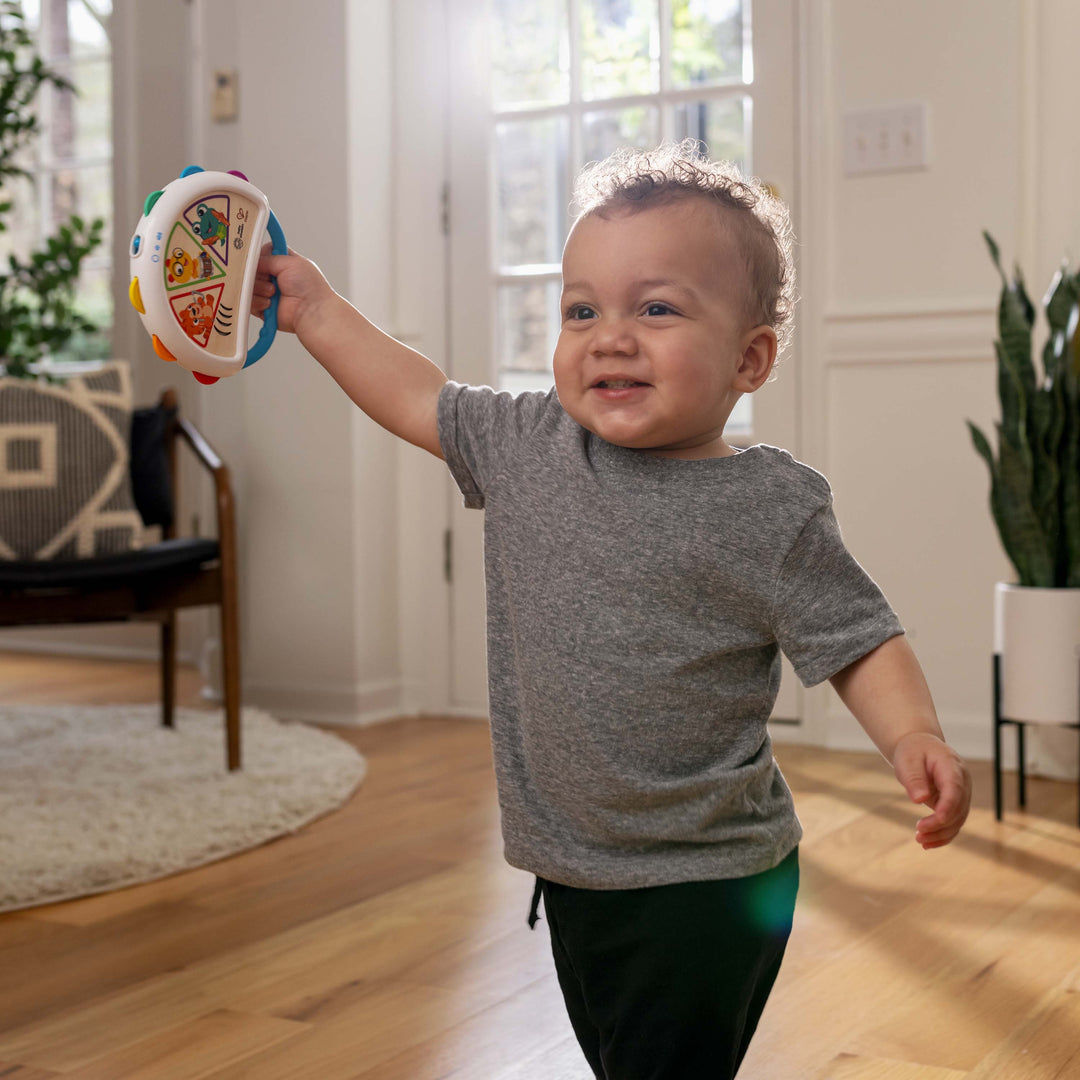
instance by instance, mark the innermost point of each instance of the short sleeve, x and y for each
(482, 431)
(827, 611)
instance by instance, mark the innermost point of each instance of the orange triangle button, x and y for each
(160, 349)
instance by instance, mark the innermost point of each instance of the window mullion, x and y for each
(711, 91)
(665, 68)
(748, 42)
(575, 112)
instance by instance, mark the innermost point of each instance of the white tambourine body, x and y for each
(194, 257)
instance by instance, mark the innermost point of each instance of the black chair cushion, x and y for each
(175, 556)
(150, 465)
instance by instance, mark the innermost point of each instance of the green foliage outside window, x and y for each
(704, 50)
(38, 313)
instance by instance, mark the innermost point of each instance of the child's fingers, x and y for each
(913, 772)
(935, 776)
(950, 802)
(931, 838)
(953, 783)
(268, 247)
(264, 287)
(932, 831)
(274, 264)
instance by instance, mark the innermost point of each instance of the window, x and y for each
(571, 81)
(70, 159)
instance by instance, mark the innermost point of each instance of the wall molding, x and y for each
(962, 331)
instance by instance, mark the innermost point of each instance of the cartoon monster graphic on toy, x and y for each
(197, 317)
(211, 227)
(182, 268)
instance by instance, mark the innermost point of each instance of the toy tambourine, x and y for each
(194, 256)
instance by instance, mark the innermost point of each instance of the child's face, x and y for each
(655, 347)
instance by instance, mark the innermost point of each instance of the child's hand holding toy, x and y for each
(297, 283)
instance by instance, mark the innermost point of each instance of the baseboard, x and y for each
(790, 732)
(87, 652)
(345, 705)
(457, 712)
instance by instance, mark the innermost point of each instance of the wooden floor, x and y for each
(388, 941)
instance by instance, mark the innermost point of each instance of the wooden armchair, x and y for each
(150, 584)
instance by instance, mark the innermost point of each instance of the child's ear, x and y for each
(758, 356)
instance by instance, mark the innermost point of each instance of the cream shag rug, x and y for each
(96, 798)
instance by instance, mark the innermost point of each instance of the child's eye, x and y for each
(659, 309)
(580, 312)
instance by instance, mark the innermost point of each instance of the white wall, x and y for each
(904, 296)
(317, 480)
(342, 123)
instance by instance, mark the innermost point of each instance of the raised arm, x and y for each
(395, 385)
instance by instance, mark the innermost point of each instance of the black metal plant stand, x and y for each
(999, 722)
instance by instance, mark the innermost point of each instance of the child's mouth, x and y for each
(619, 391)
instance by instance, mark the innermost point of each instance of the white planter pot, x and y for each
(1037, 634)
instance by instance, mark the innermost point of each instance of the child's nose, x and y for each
(614, 337)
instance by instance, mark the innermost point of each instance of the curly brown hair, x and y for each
(633, 178)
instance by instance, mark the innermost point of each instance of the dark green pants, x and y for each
(668, 983)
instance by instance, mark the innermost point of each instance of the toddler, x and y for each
(642, 577)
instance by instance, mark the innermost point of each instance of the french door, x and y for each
(538, 88)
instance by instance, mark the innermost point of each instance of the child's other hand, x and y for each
(300, 283)
(934, 775)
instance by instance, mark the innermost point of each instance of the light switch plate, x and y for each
(223, 100)
(886, 139)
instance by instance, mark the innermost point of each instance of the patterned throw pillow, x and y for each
(65, 481)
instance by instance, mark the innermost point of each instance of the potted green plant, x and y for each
(39, 317)
(1035, 501)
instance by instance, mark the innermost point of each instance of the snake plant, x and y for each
(1035, 481)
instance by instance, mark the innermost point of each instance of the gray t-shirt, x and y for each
(636, 609)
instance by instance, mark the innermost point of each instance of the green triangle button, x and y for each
(150, 200)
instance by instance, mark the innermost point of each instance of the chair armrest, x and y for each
(203, 450)
(209, 458)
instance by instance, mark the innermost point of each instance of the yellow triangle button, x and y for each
(135, 296)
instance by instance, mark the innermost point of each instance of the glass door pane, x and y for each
(530, 61)
(70, 157)
(606, 130)
(527, 326)
(557, 107)
(531, 179)
(721, 126)
(620, 48)
(707, 43)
